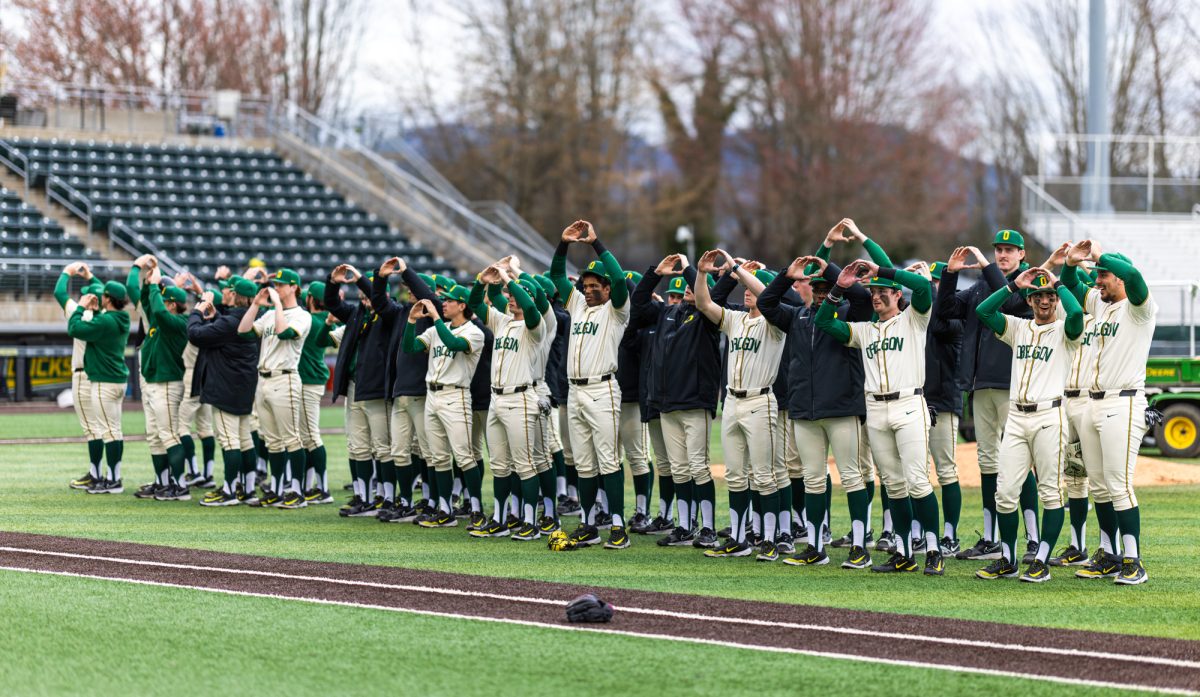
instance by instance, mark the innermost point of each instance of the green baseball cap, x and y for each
(764, 276)
(369, 275)
(529, 287)
(1116, 255)
(428, 280)
(711, 281)
(457, 293)
(1041, 284)
(633, 276)
(877, 282)
(547, 285)
(174, 294)
(936, 269)
(677, 285)
(244, 286)
(443, 283)
(93, 288)
(115, 290)
(286, 277)
(316, 289)
(1009, 237)
(595, 268)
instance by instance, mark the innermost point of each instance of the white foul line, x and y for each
(639, 635)
(1156, 660)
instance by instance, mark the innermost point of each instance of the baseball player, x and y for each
(566, 476)
(283, 329)
(405, 375)
(104, 334)
(751, 434)
(193, 412)
(163, 309)
(454, 347)
(314, 374)
(893, 356)
(81, 387)
(1111, 432)
(686, 385)
(598, 313)
(635, 431)
(357, 377)
(513, 425)
(226, 363)
(1035, 434)
(983, 370)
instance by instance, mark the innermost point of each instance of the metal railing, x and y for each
(38, 275)
(75, 200)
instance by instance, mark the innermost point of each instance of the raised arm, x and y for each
(645, 309)
(333, 297)
(476, 301)
(525, 302)
(989, 310)
(203, 333)
(382, 303)
(769, 301)
(704, 302)
(619, 295)
(1135, 285)
(452, 342)
(62, 289)
(922, 291)
(79, 328)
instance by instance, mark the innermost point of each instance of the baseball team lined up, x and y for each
(553, 383)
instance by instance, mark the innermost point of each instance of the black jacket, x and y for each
(629, 363)
(825, 377)
(984, 361)
(688, 376)
(226, 371)
(364, 345)
(943, 343)
(556, 365)
(481, 381)
(405, 372)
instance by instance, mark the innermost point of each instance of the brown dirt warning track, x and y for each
(1067, 656)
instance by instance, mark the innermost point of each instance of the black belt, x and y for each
(512, 390)
(1112, 393)
(1030, 408)
(1070, 394)
(273, 373)
(587, 381)
(742, 394)
(893, 396)
(78, 370)
(434, 387)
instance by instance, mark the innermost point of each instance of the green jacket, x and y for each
(166, 339)
(106, 334)
(313, 369)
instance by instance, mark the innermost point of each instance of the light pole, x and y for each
(683, 234)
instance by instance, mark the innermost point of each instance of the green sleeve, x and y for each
(77, 328)
(989, 310)
(409, 343)
(823, 252)
(322, 331)
(133, 285)
(1135, 285)
(454, 343)
(922, 290)
(475, 300)
(827, 322)
(532, 317)
(288, 334)
(496, 297)
(540, 300)
(1074, 322)
(62, 289)
(1070, 279)
(558, 272)
(619, 294)
(153, 305)
(877, 254)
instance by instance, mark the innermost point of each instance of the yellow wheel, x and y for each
(1179, 434)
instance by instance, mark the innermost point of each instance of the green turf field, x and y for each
(36, 499)
(168, 641)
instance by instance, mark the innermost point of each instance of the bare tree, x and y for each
(73, 41)
(319, 41)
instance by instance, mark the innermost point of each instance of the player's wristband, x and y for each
(1058, 284)
(835, 295)
(1012, 287)
(599, 247)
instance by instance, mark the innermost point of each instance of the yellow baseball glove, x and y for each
(559, 542)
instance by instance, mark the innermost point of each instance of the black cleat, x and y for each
(218, 498)
(887, 542)
(617, 538)
(918, 544)
(293, 500)
(658, 526)
(353, 504)
(678, 537)
(1031, 550)
(859, 558)
(982, 551)
(731, 548)
(1036, 572)
(896, 564)
(725, 532)
(809, 556)
(585, 535)
(173, 492)
(999, 568)
(767, 551)
(547, 525)
(317, 497)
(1070, 556)
(1132, 573)
(1103, 565)
(106, 486)
(478, 521)
(785, 544)
(637, 520)
(527, 533)
(400, 514)
(846, 540)
(568, 506)
(603, 520)
(148, 491)
(463, 510)
(705, 539)
(490, 528)
(935, 564)
(949, 547)
(84, 482)
(441, 520)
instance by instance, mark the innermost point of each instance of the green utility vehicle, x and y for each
(1179, 401)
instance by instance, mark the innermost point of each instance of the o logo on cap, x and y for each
(1005, 235)
(279, 274)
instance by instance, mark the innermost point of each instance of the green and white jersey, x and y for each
(282, 353)
(1042, 356)
(1122, 336)
(755, 349)
(1085, 356)
(893, 352)
(515, 349)
(595, 336)
(448, 367)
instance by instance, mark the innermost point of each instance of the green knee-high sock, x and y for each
(572, 476)
(175, 462)
(828, 498)
(560, 463)
(1130, 523)
(1009, 522)
(885, 505)
(858, 503)
(643, 488)
(1029, 506)
(785, 509)
(587, 498)
(770, 516)
(419, 469)
(683, 493)
(756, 509)
(798, 498)
(666, 496)
(318, 461)
(902, 517)
(387, 472)
(431, 478)
(189, 454)
(1079, 510)
(260, 447)
(529, 497)
(614, 489)
(926, 511)
(297, 462)
(514, 486)
(814, 506)
(739, 514)
(951, 508)
(248, 471)
(549, 487)
(473, 483)
(1052, 522)
(277, 462)
(162, 473)
(95, 458)
(987, 483)
(1106, 518)
(870, 483)
(405, 474)
(233, 468)
(445, 484)
(501, 487)
(706, 504)
(208, 451)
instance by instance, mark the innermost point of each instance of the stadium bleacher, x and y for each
(28, 235)
(201, 207)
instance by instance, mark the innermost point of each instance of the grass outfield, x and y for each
(36, 499)
(167, 641)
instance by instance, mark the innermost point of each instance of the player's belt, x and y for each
(1114, 393)
(742, 394)
(893, 396)
(435, 387)
(1030, 407)
(78, 370)
(273, 373)
(1071, 394)
(588, 381)
(513, 390)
